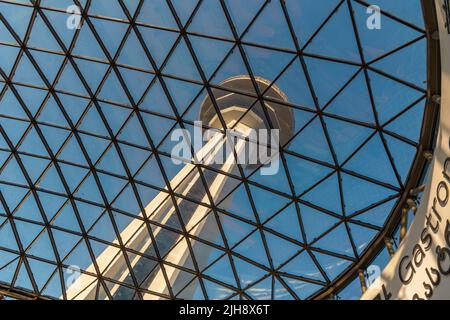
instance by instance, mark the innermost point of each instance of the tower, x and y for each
(239, 112)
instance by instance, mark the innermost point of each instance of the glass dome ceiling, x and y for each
(86, 117)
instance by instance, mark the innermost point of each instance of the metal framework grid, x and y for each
(274, 278)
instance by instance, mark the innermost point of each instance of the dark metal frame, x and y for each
(238, 44)
(427, 143)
